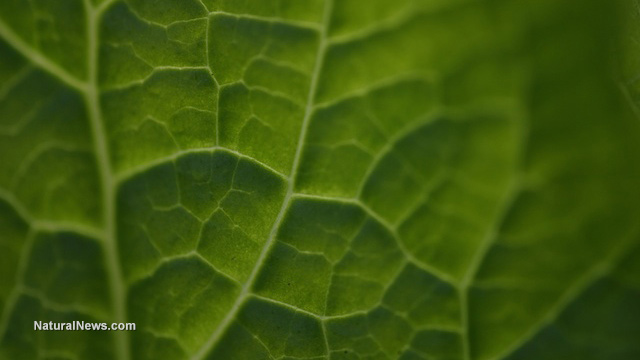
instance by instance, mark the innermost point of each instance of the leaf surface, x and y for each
(328, 179)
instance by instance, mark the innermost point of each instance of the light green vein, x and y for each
(38, 59)
(246, 289)
(101, 148)
(130, 173)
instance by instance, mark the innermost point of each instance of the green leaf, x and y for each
(320, 179)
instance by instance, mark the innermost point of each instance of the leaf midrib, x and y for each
(107, 181)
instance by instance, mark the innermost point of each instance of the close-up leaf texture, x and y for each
(320, 179)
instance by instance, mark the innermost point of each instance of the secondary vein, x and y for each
(38, 59)
(245, 292)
